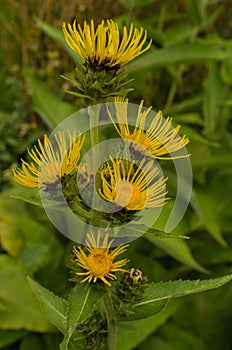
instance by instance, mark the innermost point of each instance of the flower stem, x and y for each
(111, 320)
(93, 123)
(94, 112)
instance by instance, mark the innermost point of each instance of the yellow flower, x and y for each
(54, 164)
(132, 189)
(99, 261)
(104, 46)
(159, 139)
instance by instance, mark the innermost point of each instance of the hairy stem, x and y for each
(94, 137)
(93, 123)
(111, 320)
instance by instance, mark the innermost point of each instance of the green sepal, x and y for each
(96, 84)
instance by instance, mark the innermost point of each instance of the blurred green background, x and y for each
(188, 75)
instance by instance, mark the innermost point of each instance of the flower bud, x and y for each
(132, 286)
(134, 276)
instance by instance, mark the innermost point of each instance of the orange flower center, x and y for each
(129, 196)
(99, 262)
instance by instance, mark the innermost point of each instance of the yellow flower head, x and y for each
(99, 261)
(158, 140)
(104, 46)
(130, 188)
(54, 164)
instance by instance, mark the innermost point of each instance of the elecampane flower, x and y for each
(130, 188)
(104, 46)
(99, 263)
(54, 164)
(159, 139)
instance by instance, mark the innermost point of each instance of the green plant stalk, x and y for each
(110, 314)
(111, 321)
(81, 212)
(94, 137)
(162, 14)
(93, 121)
(173, 88)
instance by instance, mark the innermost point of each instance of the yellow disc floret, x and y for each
(99, 262)
(132, 187)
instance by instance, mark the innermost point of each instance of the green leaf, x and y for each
(177, 33)
(137, 230)
(9, 337)
(189, 118)
(40, 342)
(160, 234)
(213, 254)
(131, 333)
(21, 307)
(214, 161)
(57, 35)
(16, 227)
(179, 338)
(38, 249)
(181, 53)
(176, 248)
(194, 135)
(29, 195)
(146, 310)
(10, 239)
(81, 303)
(209, 206)
(226, 71)
(179, 250)
(54, 307)
(189, 105)
(49, 106)
(195, 10)
(210, 309)
(212, 96)
(164, 291)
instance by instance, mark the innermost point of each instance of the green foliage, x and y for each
(20, 310)
(81, 303)
(131, 333)
(187, 74)
(12, 143)
(57, 35)
(9, 337)
(157, 294)
(48, 105)
(187, 53)
(66, 315)
(179, 250)
(54, 307)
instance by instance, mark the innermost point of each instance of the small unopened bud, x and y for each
(134, 276)
(132, 285)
